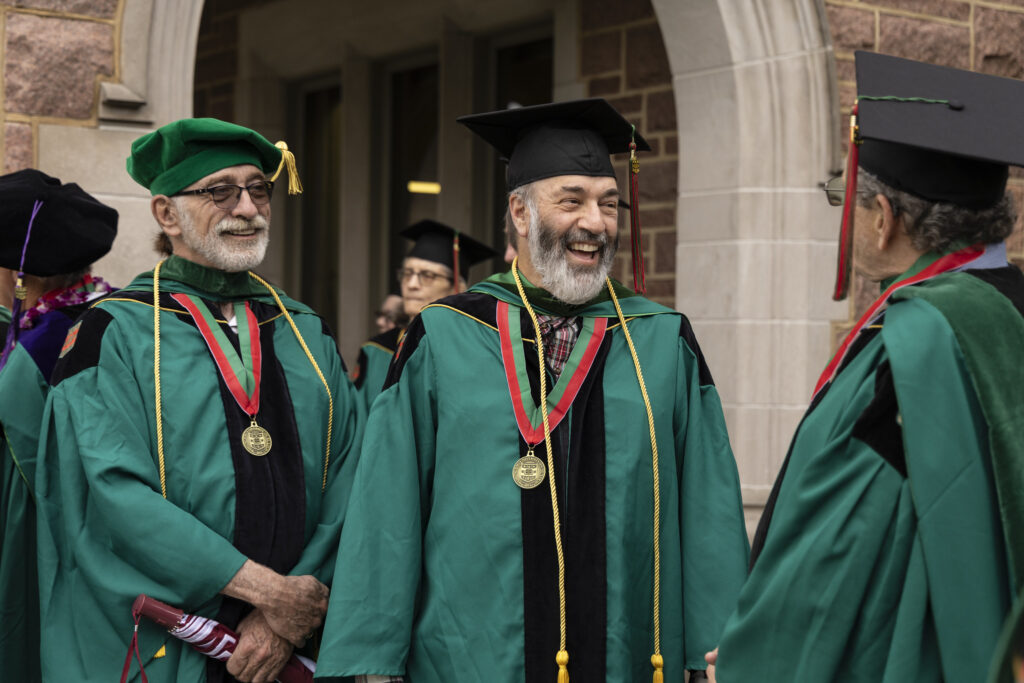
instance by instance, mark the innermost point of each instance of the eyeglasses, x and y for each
(227, 196)
(425, 276)
(835, 190)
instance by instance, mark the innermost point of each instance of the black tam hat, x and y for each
(437, 242)
(942, 134)
(70, 229)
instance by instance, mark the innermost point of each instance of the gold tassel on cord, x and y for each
(288, 162)
(563, 666)
(20, 291)
(659, 664)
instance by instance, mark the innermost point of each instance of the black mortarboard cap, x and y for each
(71, 231)
(943, 134)
(435, 242)
(564, 138)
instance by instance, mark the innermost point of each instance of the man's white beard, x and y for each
(573, 284)
(220, 251)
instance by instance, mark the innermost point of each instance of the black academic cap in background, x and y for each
(71, 231)
(564, 138)
(939, 133)
(435, 242)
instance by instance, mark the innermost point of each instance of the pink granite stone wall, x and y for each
(55, 53)
(979, 35)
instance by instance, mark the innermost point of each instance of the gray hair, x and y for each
(525, 194)
(936, 226)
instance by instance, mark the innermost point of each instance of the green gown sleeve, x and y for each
(377, 579)
(714, 540)
(376, 371)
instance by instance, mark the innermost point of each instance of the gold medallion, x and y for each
(528, 472)
(256, 440)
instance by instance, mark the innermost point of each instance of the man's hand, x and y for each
(260, 654)
(296, 608)
(293, 606)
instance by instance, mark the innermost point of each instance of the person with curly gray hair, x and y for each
(894, 535)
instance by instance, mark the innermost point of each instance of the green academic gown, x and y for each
(24, 384)
(882, 555)
(372, 365)
(447, 570)
(107, 534)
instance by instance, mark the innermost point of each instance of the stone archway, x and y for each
(156, 55)
(757, 121)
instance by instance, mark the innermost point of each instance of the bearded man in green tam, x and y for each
(529, 509)
(200, 437)
(893, 540)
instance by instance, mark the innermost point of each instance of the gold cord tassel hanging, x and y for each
(20, 291)
(563, 666)
(288, 162)
(562, 658)
(656, 659)
(659, 664)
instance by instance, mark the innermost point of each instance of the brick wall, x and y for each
(55, 53)
(623, 59)
(217, 59)
(982, 36)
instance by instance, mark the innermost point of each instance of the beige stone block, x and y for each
(98, 162)
(801, 351)
(758, 122)
(717, 342)
(804, 281)
(706, 108)
(698, 39)
(51, 65)
(756, 361)
(763, 28)
(724, 280)
(804, 117)
(749, 433)
(133, 251)
(708, 217)
(804, 214)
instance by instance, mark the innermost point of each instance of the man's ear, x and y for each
(887, 225)
(520, 213)
(166, 215)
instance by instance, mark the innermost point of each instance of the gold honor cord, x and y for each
(156, 376)
(656, 659)
(156, 379)
(562, 658)
(309, 355)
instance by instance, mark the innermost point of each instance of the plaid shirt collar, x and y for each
(559, 336)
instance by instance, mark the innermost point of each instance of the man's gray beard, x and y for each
(573, 284)
(218, 251)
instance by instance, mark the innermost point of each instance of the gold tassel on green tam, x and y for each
(288, 162)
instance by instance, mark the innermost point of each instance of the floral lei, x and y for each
(86, 289)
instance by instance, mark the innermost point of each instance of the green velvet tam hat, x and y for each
(174, 156)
